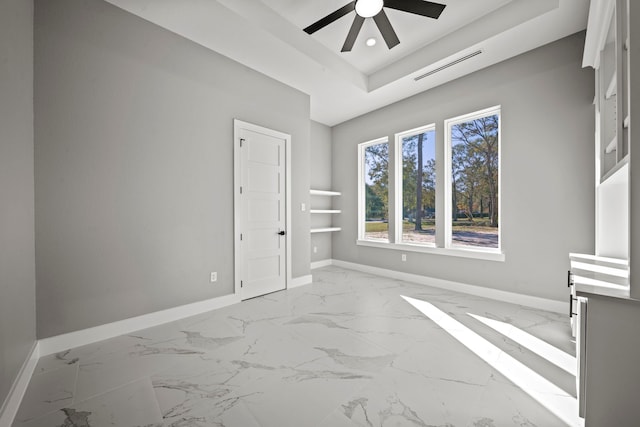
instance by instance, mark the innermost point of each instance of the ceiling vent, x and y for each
(447, 65)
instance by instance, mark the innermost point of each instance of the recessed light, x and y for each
(371, 41)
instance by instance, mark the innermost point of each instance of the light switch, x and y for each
(303, 207)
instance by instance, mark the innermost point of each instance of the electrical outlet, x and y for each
(404, 257)
(214, 276)
(315, 249)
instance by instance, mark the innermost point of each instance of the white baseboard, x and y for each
(11, 404)
(300, 281)
(122, 327)
(63, 342)
(322, 263)
(74, 339)
(496, 294)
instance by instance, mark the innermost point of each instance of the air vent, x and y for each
(450, 64)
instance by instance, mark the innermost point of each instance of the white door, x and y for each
(260, 211)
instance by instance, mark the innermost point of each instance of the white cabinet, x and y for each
(605, 295)
(599, 289)
(608, 355)
(322, 209)
(607, 51)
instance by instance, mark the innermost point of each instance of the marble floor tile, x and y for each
(48, 391)
(550, 327)
(100, 374)
(347, 350)
(133, 405)
(336, 419)
(301, 396)
(398, 398)
(56, 361)
(503, 404)
(201, 394)
(443, 358)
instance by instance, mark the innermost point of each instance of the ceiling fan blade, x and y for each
(353, 33)
(419, 7)
(388, 34)
(331, 18)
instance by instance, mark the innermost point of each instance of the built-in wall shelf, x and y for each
(612, 145)
(325, 229)
(617, 169)
(612, 89)
(606, 50)
(325, 210)
(324, 193)
(618, 262)
(600, 275)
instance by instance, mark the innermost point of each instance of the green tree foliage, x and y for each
(377, 181)
(475, 168)
(418, 189)
(375, 207)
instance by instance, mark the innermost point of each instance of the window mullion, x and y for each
(397, 184)
(448, 185)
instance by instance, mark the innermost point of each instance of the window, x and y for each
(416, 196)
(373, 190)
(473, 168)
(445, 189)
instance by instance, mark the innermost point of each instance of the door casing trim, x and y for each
(237, 125)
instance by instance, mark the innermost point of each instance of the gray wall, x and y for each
(134, 164)
(320, 171)
(17, 269)
(547, 169)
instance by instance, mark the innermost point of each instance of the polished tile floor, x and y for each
(351, 349)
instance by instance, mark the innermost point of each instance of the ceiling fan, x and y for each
(374, 9)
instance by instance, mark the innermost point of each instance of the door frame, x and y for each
(238, 268)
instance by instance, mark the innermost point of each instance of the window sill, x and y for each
(483, 254)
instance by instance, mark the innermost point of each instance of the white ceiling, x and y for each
(414, 31)
(267, 36)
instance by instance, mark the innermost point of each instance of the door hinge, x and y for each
(241, 284)
(240, 236)
(241, 190)
(241, 141)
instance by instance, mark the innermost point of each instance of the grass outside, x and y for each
(430, 224)
(464, 233)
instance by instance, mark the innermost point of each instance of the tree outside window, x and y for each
(418, 186)
(468, 191)
(474, 166)
(376, 191)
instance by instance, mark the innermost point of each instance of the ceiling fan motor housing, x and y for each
(368, 8)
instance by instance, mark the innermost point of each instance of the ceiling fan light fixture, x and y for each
(369, 8)
(374, 9)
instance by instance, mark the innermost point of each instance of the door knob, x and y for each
(282, 233)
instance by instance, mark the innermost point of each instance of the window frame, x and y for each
(448, 169)
(443, 244)
(398, 184)
(362, 193)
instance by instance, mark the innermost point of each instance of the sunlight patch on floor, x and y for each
(552, 397)
(542, 348)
